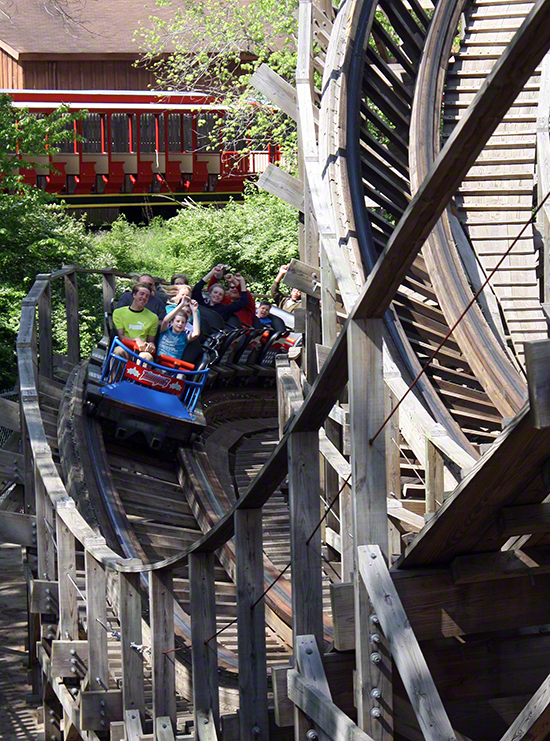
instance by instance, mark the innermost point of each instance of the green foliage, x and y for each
(24, 135)
(254, 237)
(217, 46)
(36, 236)
(39, 236)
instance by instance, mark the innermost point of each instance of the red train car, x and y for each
(136, 144)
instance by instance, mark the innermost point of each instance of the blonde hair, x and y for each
(178, 290)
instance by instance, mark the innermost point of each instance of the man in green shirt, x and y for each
(137, 323)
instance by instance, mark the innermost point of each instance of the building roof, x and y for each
(52, 28)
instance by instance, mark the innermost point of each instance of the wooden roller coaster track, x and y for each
(163, 588)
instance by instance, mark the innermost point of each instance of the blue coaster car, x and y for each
(154, 398)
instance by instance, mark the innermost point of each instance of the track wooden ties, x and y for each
(496, 197)
(388, 83)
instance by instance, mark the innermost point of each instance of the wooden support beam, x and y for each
(343, 617)
(524, 519)
(498, 92)
(276, 89)
(45, 347)
(99, 709)
(109, 293)
(314, 703)
(312, 336)
(289, 394)
(133, 695)
(161, 597)
(206, 728)
(28, 464)
(366, 400)
(9, 415)
(253, 715)
(329, 319)
(286, 187)
(202, 598)
(306, 278)
(537, 365)
(133, 727)
(44, 530)
(485, 567)
(533, 723)
(164, 730)
(66, 564)
(393, 451)
(44, 597)
(96, 610)
(434, 477)
(18, 529)
(310, 664)
(406, 652)
(304, 489)
(69, 659)
(437, 608)
(284, 709)
(370, 520)
(11, 467)
(73, 320)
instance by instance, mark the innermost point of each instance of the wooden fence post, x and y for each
(44, 530)
(45, 331)
(133, 696)
(71, 309)
(161, 597)
(202, 597)
(307, 597)
(370, 520)
(434, 477)
(253, 715)
(96, 610)
(109, 292)
(66, 567)
(304, 489)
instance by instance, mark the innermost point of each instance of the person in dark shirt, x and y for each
(154, 304)
(233, 293)
(216, 293)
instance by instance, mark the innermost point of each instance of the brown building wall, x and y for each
(11, 73)
(85, 75)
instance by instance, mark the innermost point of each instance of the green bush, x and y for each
(254, 237)
(38, 236)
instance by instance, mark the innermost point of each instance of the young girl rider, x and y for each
(173, 337)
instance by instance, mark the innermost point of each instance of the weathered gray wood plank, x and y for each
(161, 597)
(253, 715)
(203, 627)
(406, 652)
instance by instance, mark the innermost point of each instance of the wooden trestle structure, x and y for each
(438, 626)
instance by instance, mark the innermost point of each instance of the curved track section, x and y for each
(485, 353)
(364, 141)
(496, 198)
(155, 507)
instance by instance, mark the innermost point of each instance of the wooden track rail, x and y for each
(455, 588)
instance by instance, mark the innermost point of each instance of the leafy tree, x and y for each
(254, 237)
(36, 236)
(215, 46)
(24, 135)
